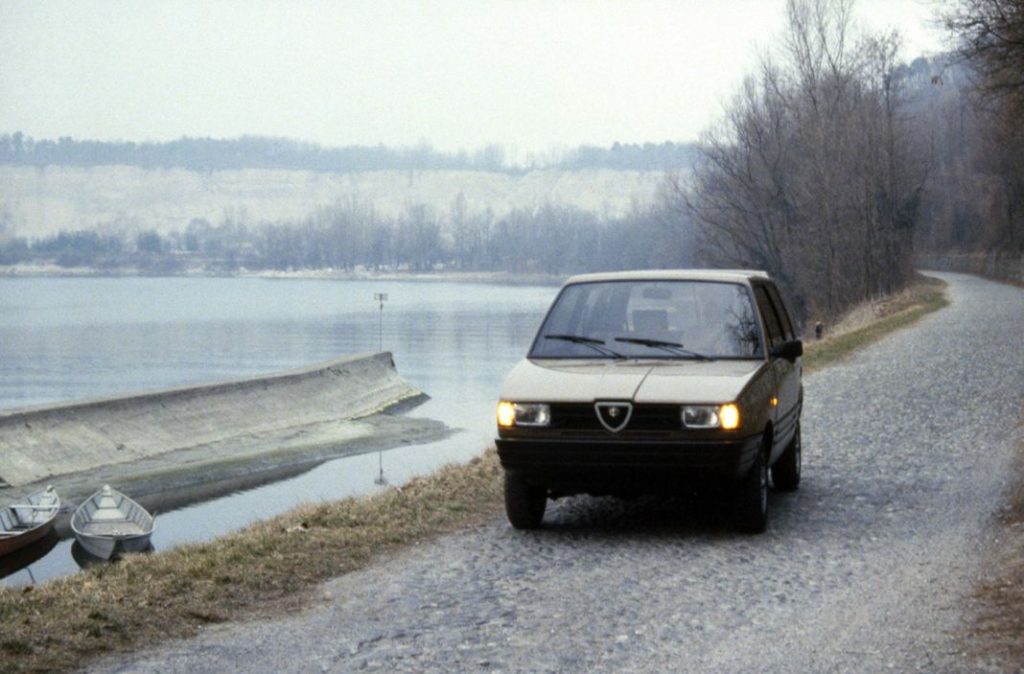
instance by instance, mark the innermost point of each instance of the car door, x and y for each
(785, 374)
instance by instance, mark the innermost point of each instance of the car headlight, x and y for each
(726, 417)
(523, 414)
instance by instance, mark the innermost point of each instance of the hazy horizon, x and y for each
(531, 77)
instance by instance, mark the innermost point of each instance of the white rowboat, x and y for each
(28, 520)
(108, 522)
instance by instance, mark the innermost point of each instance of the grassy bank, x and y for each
(997, 633)
(266, 567)
(276, 564)
(925, 296)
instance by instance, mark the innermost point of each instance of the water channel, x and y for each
(73, 338)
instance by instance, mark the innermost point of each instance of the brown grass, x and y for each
(997, 633)
(144, 599)
(923, 297)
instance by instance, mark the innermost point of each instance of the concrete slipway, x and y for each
(174, 446)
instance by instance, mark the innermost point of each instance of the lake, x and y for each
(72, 338)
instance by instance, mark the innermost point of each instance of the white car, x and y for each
(650, 381)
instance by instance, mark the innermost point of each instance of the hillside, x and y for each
(41, 201)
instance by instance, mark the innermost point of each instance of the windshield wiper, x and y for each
(671, 347)
(595, 344)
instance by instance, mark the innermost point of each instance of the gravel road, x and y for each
(869, 567)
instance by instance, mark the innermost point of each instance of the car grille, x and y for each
(645, 418)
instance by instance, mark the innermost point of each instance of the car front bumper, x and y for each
(613, 465)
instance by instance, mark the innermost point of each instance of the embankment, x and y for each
(223, 422)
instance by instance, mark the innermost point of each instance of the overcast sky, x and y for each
(529, 75)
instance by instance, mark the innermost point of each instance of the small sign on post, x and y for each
(380, 297)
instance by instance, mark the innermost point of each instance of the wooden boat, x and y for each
(28, 520)
(108, 522)
(25, 557)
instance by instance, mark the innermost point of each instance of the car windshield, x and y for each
(651, 319)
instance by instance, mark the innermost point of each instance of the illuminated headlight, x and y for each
(523, 414)
(726, 417)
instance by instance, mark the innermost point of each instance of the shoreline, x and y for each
(174, 446)
(328, 274)
(176, 480)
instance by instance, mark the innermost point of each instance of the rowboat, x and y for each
(24, 558)
(28, 520)
(108, 522)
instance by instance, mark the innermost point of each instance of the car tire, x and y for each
(524, 503)
(751, 515)
(786, 471)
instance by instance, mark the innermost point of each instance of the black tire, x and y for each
(786, 471)
(751, 514)
(524, 503)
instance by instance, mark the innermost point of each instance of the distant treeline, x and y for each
(552, 240)
(627, 157)
(256, 152)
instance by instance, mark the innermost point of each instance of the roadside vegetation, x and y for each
(997, 633)
(835, 162)
(926, 295)
(277, 564)
(269, 566)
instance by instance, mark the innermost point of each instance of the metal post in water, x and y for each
(381, 480)
(380, 297)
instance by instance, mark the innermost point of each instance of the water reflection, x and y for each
(380, 480)
(28, 555)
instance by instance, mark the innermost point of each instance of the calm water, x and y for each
(68, 339)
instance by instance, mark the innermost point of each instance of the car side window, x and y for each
(780, 310)
(771, 321)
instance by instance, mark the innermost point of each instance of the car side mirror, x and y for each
(790, 350)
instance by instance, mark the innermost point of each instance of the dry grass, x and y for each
(867, 324)
(148, 598)
(997, 633)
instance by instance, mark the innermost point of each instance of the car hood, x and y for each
(642, 381)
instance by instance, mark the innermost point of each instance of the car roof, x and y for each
(720, 275)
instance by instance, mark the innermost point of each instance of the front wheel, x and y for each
(751, 514)
(786, 471)
(524, 503)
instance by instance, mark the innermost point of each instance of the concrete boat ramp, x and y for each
(175, 446)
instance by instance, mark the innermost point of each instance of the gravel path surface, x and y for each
(869, 567)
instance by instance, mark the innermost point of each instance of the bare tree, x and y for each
(991, 43)
(814, 173)
(991, 34)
